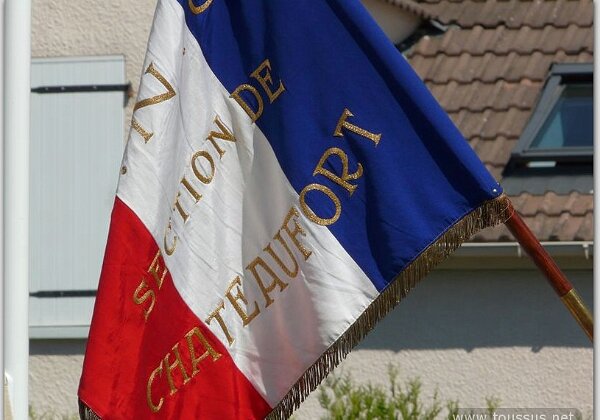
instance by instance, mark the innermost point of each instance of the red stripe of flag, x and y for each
(138, 368)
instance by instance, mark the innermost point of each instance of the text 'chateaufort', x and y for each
(283, 254)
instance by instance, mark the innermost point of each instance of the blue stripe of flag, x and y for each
(418, 181)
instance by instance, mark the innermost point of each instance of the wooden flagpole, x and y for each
(554, 275)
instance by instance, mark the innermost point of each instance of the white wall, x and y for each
(468, 333)
(54, 372)
(473, 334)
(76, 28)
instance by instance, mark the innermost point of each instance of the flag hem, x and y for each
(489, 214)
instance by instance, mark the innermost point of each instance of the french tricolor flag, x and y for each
(287, 180)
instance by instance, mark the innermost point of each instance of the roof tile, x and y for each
(579, 204)
(488, 69)
(413, 7)
(501, 40)
(554, 228)
(494, 152)
(586, 228)
(512, 13)
(566, 226)
(479, 96)
(490, 124)
(531, 206)
(552, 204)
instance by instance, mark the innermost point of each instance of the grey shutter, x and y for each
(76, 149)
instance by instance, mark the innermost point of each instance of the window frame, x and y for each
(561, 75)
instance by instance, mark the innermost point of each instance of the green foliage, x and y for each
(345, 400)
(492, 403)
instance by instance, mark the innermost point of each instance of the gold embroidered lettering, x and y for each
(308, 212)
(178, 363)
(239, 296)
(265, 80)
(263, 288)
(154, 407)
(199, 9)
(152, 101)
(195, 195)
(155, 268)
(137, 127)
(148, 294)
(216, 314)
(293, 272)
(201, 177)
(254, 115)
(158, 98)
(293, 215)
(224, 134)
(209, 351)
(180, 210)
(343, 180)
(343, 123)
(181, 365)
(169, 249)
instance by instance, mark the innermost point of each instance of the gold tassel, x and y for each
(490, 213)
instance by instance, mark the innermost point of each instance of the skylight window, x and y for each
(570, 124)
(561, 127)
(555, 151)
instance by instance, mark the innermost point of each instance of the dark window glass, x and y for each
(570, 124)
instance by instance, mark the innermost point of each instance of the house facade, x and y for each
(513, 75)
(485, 323)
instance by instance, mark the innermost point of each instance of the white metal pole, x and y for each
(17, 64)
(2, 416)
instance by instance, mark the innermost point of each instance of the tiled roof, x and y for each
(511, 13)
(487, 71)
(413, 7)
(491, 67)
(552, 217)
(501, 40)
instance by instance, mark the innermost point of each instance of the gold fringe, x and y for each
(489, 214)
(86, 413)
